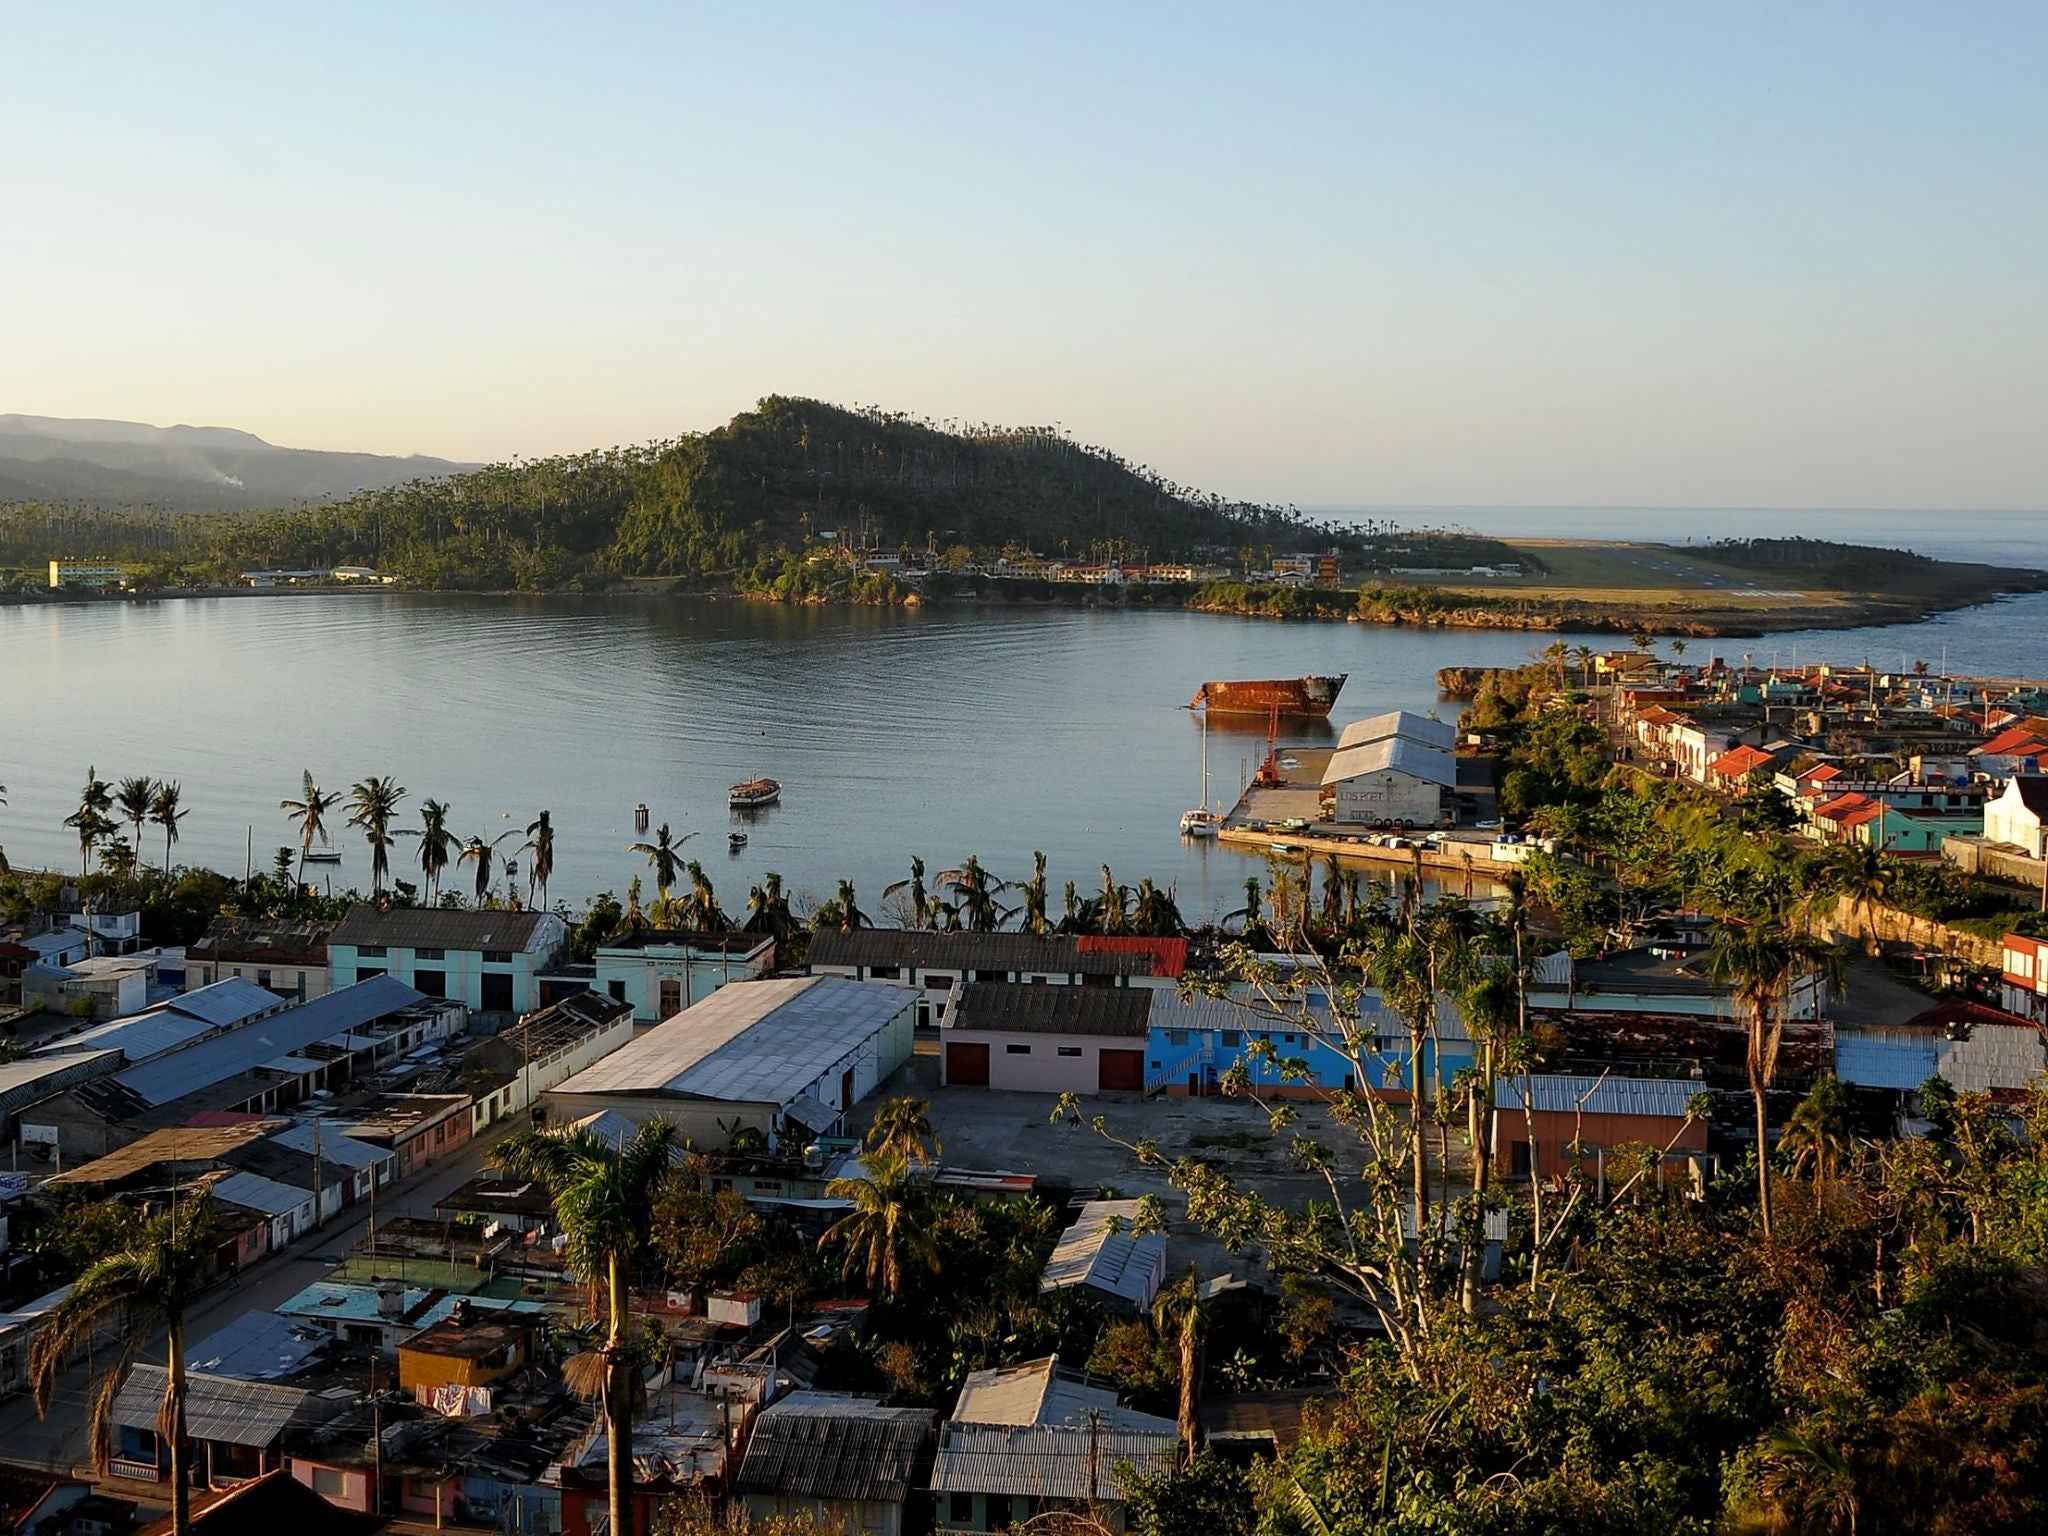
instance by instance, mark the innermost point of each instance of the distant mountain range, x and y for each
(187, 469)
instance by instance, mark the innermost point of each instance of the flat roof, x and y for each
(174, 1144)
(756, 1042)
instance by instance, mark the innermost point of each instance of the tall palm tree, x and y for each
(920, 899)
(372, 806)
(1033, 892)
(437, 843)
(850, 914)
(700, 908)
(483, 853)
(974, 890)
(166, 813)
(90, 820)
(604, 1199)
(1762, 961)
(885, 1232)
(309, 814)
(134, 797)
(3, 850)
(1181, 1310)
(147, 1282)
(540, 844)
(663, 858)
(768, 909)
(904, 1126)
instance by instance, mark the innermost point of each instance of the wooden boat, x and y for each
(735, 841)
(754, 794)
(323, 856)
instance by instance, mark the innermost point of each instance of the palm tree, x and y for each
(1033, 892)
(1861, 872)
(885, 1232)
(974, 890)
(1761, 961)
(1583, 655)
(920, 900)
(1817, 1132)
(768, 909)
(700, 909)
(484, 855)
(663, 858)
(540, 843)
(904, 1126)
(437, 843)
(309, 814)
(165, 812)
(1181, 1310)
(850, 914)
(373, 803)
(3, 850)
(134, 798)
(603, 1198)
(90, 819)
(146, 1283)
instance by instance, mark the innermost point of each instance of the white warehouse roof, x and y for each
(756, 1042)
(1401, 753)
(1399, 722)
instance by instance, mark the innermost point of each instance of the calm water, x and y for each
(942, 733)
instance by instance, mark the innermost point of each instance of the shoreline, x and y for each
(1324, 605)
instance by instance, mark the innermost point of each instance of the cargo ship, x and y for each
(1313, 697)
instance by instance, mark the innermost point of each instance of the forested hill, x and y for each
(744, 497)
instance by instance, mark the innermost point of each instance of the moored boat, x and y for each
(754, 794)
(1309, 697)
(735, 841)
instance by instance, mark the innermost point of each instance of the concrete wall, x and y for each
(635, 976)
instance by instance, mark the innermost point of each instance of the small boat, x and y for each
(1200, 823)
(735, 841)
(323, 856)
(754, 794)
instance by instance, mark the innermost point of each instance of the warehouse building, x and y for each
(783, 1056)
(1392, 770)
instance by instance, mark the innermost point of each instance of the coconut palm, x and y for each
(1762, 961)
(483, 853)
(146, 1283)
(133, 798)
(904, 1126)
(663, 858)
(1033, 892)
(1817, 1132)
(1180, 1310)
(540, 845)
(974, 895)
(885, 1232)
(768, 909)
(373, 804)
(700, 909)
(90, 820)
(603, 1198)
(1155, 913)
(165, 812)
(437, 843)
(920, 899)
(3, 850)
(850, 914)
(309, 814)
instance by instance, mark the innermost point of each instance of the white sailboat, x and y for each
(1201, 821)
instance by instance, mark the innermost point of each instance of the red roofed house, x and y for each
(2022, 748)
(1830, 819)
(1733, 766)
(2024, 984)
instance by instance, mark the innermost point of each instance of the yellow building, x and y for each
(464, 1349)
(86, 573)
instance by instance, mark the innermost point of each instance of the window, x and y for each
(767, 1186)
(884, 972)
(1233, 1037)
(1070, 1050)
(263, 978)
(433, 983)
(617, 989)
(494, 992)
(371, 952)
(671, 996)
(1016, 1050)
(363, 973)
(991, 975)
(960, 1508)
(497, 957)
(1176, 1037)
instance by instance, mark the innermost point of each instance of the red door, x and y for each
(1121, 1072)
(966, 1064)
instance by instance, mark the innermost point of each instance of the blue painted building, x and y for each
(1193, 1043)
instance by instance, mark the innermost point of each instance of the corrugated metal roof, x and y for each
(1434, 765)
(1599, 1096)
(834, 1445)
(1399, 722)
(169, 1026)
(1974, 1057)
(254, 1192)
(1022, 1008)
(756, 1042)
(226, 1002)
(335, 1144)
(1048, 1461)
(173, 1144)
(923, 950)
(250, 1413)
(439, 928)
(1885, 1061)
(213, 1061)
(257, 1346)
(1100, 1251)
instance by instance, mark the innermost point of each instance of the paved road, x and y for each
(59, 1442)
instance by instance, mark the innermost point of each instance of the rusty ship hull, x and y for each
(1305, 697)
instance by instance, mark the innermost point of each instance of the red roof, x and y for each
(1822, 774)
(1739, 763)
(1841, 806)
(1960, 1010)
(2020, 741)
(1169, 956)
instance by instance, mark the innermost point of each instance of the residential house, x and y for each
(465, 1354)
(106, 986)
(1101, 1253)
(285, 957)
(172, 1024)
(847, 1463)
(1550, 1122)
(1693, 747)
(781, 1056)
(1015, 1037)
(236, 1427)
(273, 1503)
(1036, 1439)
(932, 963)
(662, 972)
(2023, 982)
(2021, 747)
(386, 1314)
(36, 1503)
(2017, 816)
(490, 961)
(416, 1129)
(1976, 1048)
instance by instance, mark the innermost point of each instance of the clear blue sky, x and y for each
(1651, 254)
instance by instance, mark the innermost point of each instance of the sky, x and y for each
(1445, 254)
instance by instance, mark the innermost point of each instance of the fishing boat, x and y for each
(754, 794)
(323, 856)
(1201, 821)
(735, 841)
(1308, 697)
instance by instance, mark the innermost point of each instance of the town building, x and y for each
(848, 1463)
(454, 1363)
(275, 1502)
(490, 961)
(237, 1428)
(933, 963)
(90, 574)
(509, 1071)
(103, 986)
(288, 958)
(1016, 1037)
(2023, 979)
(1392, 769)
(661, 972)
(783, 1056)
(1548, 1122)
(171, 1025)
(2018, 815)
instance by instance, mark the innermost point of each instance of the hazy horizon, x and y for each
(1333, 256)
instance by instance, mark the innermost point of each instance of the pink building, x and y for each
(1021, 1038)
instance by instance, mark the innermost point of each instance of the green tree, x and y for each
(903, 1127)
(915, 894)
(603, 1198)
(373, 806)
(166, 812)
(437, 844)
(1817, 1133)
(147, 1283)
(886, 1231)
(663, 858)
(134, 797)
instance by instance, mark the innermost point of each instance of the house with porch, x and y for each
(237, 1428)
